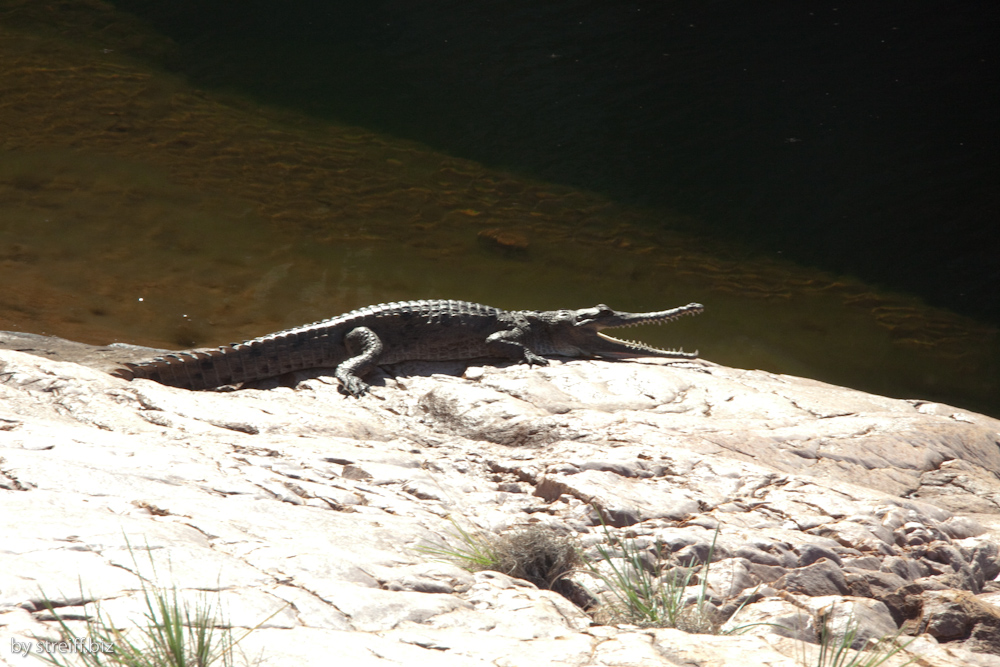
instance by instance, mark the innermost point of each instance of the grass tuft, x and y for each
(835, 648)
(474, 552)
(533, 553)
(175, 634)
(653, 596)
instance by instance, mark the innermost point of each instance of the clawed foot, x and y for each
(533, 359)
(352, 386)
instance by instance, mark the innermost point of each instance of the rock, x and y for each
(758, 556)
(906, 568)
(883, 586)
(775, 616)
(862, 582)
(819, 579)
(730, 577)
(959, 616)
(811, 553)
(870, 618)
(444, 578)
(624, 502)
(983, 556)
(510, 243)
(320, 510)
(515, 608)
(764, 574)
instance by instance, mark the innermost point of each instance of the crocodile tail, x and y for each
(200, 369)
(240, 362)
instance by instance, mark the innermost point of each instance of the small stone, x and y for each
(810, 553)
(507, 242)
(821, 578)
(757, 556)
(356, 473)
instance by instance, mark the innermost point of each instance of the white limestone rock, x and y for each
(313, 507)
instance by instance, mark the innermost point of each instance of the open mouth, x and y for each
(636, 346)
(639, 319)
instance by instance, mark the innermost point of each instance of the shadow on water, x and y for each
(138, 209)
(860, 137)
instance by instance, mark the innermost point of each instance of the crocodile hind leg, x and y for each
(365, 347)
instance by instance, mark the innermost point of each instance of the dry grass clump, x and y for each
(534, 553)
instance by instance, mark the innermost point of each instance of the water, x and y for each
(137, 208)
(860, 137)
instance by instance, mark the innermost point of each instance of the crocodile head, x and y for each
(578, 333)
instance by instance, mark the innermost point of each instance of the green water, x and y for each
(137, 209)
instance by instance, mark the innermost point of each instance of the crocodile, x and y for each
(430, 330)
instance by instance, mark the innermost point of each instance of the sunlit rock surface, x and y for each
(307, 509)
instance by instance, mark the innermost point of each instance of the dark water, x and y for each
(857, 137)
(138, 207)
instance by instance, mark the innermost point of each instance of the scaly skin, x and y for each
(389, 333)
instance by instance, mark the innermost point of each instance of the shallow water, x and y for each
(137, 209)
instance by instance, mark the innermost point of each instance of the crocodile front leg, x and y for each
(509, 343)
(365, 347)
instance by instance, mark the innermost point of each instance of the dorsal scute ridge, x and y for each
(427, 307)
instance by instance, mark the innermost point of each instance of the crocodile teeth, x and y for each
(630, 343)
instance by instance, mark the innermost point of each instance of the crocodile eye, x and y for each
(603, 311)
(598, 311)
(588, 315)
